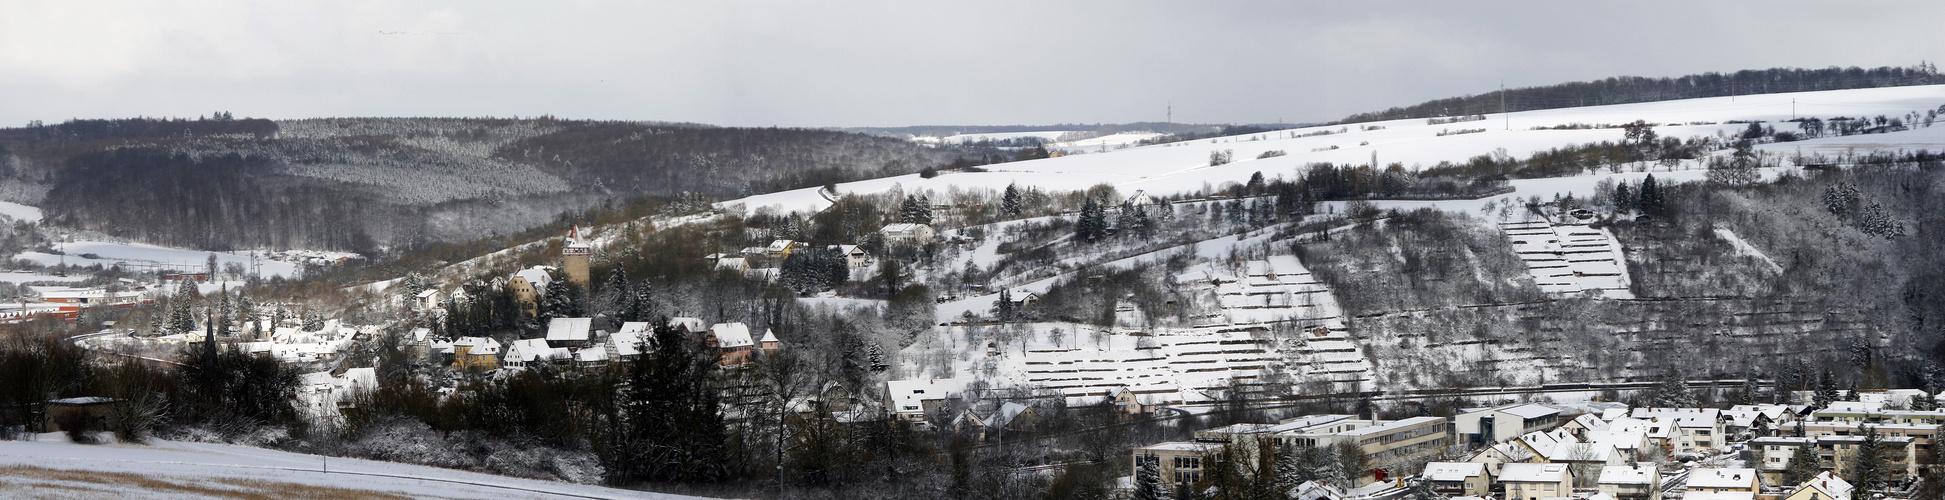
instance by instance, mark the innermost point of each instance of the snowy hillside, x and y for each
(1184, 167)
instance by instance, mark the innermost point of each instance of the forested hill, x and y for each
(362, 183)
(1632, 89)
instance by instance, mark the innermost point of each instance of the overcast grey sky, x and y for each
(865, 63)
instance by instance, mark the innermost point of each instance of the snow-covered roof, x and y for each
(731, 335)
(1176, 446)
(419, 334)
(568, 329)
(636, 327)
(1453, 471)
(902, 227)
(1719, 495)
(428, 293)
(529, 350)
(906, 394)
(1591, 422)
(1828, 484)
(1683, 417)
(1528, 411)
(1316, 490)
(1533, 473)
(628, 343)
(1624, 440)
(780, 245)
(1623, 474)
(1006, 414)
(769, 336)
(536, 275)
(1721, 478)
(575, 239)
(1774, 412)
(591, 355)
(481, 345)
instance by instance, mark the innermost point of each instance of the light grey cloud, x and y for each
(852, 63)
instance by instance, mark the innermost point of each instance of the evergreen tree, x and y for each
(1092, 225)
(1803, 465)
(182, 307)
(1841, 199)
(1651, 203)
(1289, 468)
(1932, 485)
(1875, 220)
(559, 302)
(641, 307)
(1004, 306)
(1673, 392)
(1125, 223)
(916, 210)
(670, 426)
(221, 315)
(1924, 401)
(1148, 482)
(1868, 465)
(1623, 201)
(616, 295)
(1010, 202)
(1750, 386)
(1826, 390)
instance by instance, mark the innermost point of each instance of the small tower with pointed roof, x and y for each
(574, 254)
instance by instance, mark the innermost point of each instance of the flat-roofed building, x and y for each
(1493, 425)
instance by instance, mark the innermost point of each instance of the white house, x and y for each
(1536, 481)
(1503, 423)
(1723, 480)
(1628, 482)
(1459, 478)
(912, 400)
(907, 233)
(428, 299)
(521, 353)
(1689, 430)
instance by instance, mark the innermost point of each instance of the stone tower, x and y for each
(574, 253)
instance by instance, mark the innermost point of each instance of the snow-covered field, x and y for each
(1184, 167)
(19, 212)
(1103, 143)
(53, 467)
(138, 255)
(29, 277)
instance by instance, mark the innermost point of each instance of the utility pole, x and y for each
(1502, 104)
(1170, 123)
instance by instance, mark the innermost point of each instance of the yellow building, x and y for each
(475, 353)
(526, 287)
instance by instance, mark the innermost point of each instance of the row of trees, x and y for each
(1631, 89)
